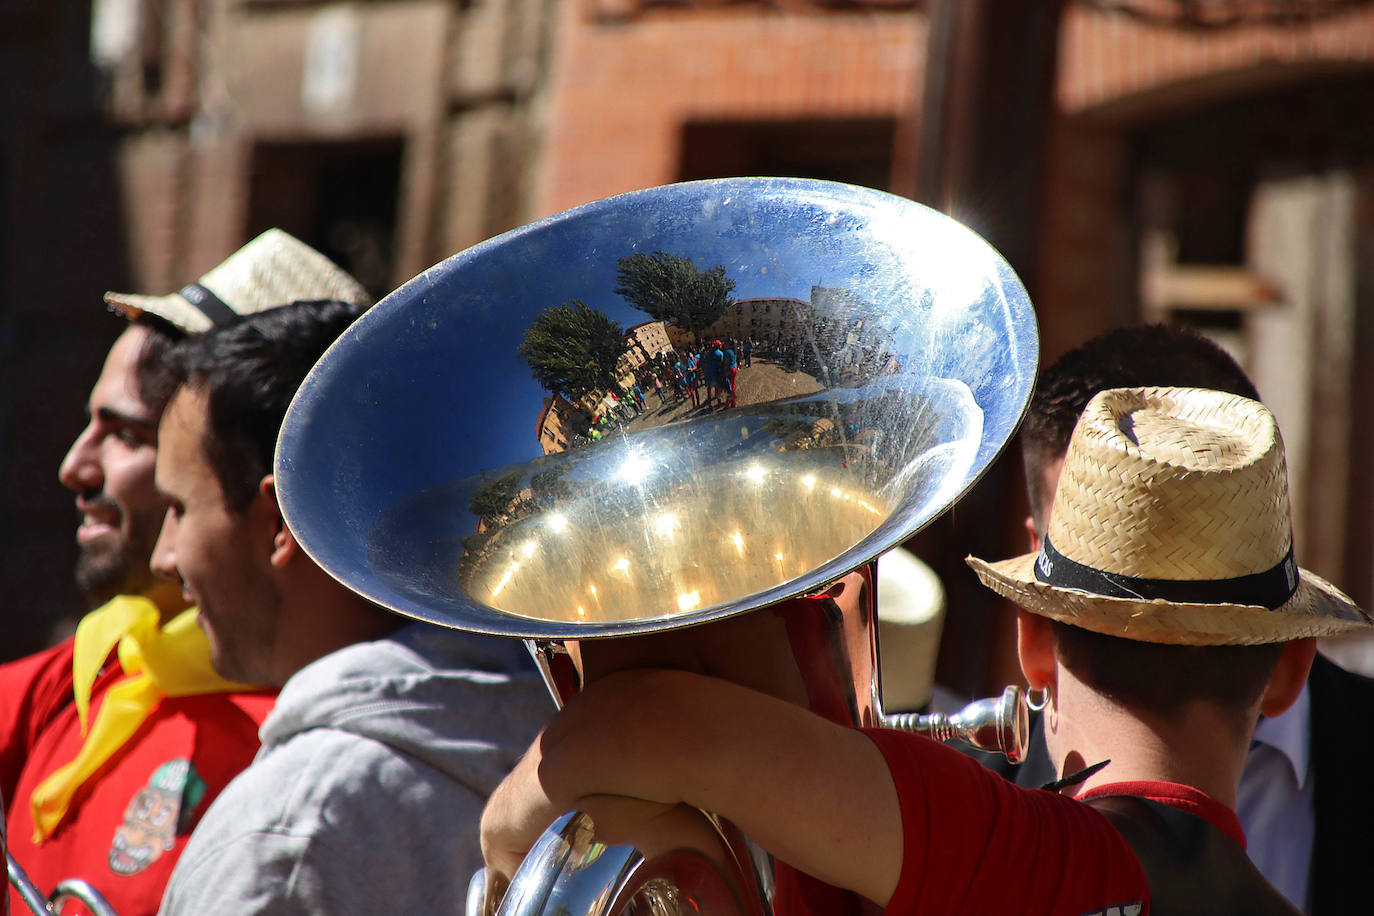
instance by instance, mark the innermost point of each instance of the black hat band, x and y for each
(210, 305)
(1271, 588)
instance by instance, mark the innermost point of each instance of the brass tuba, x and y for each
(674, 427)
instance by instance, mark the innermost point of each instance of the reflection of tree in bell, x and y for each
(670, 288)
(573, 348)
(497, 498)
(550, 485)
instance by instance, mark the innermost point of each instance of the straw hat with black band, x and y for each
(1171, 525)
(273, 269)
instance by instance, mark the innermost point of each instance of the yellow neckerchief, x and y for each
(173, 660)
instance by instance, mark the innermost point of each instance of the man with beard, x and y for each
(114, 742)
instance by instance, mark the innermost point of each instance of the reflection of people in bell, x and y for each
(713, 372)
(731, 370)
(691, 378)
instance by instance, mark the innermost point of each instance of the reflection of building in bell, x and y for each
(797, 334)
(650, 339)
(564, 424)
(820, 432)
(502, 502)
(911, 612)
(762, 319)
(559, 423)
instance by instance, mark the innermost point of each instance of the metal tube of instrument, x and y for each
(999, 724)
(70, 889)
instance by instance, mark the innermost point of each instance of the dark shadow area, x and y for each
(340, 198)
(853, 150)
(62, 245)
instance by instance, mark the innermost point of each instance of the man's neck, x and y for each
(321, 621)
(1201, 747)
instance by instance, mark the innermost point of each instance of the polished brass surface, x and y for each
(753, 526)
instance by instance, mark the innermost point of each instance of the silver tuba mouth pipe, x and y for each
(995, 724)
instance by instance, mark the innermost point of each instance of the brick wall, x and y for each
(1112, 62)
(622, 91)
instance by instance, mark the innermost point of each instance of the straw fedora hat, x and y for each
(1171, 525)
(274, 269)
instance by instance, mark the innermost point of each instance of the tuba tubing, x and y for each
(69, 889)
(999, 725)
(76, 889)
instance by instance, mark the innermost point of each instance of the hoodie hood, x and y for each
(443, 696)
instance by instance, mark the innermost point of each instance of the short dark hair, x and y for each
(1130, 357)
(153, 373)
(1149, 677)
(1162, 679)
(249, 371)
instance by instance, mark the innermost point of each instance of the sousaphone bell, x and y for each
(545, 437)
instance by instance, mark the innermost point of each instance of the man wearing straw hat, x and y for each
(1299, 787)
(113, 743)
(1162, 616)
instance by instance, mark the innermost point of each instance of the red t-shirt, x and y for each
(128, 823)
(975, 843)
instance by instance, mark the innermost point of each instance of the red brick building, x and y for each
(559, 424)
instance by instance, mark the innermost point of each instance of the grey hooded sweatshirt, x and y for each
(366, 794)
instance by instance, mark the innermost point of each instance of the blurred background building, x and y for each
(1202, 161)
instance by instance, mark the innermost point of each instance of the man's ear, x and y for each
(284, 546)
(1290, 674)
(1035, 648)
(1032, 534)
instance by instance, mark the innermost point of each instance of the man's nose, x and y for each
(163, 562)
(80, 470)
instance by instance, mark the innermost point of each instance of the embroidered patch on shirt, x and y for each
(161, 809)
